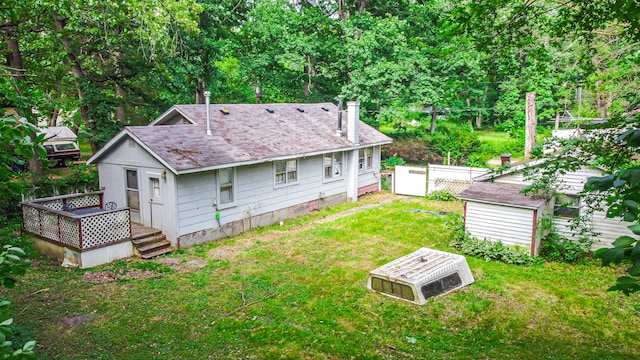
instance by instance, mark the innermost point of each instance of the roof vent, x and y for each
(325, 108)
(224, 111)
(421, 275)
(270, 111)
(300, 109)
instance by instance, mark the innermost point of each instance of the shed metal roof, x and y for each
(501, 193)
(245, 133)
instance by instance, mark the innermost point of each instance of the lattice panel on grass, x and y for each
(30, 219)
(451, 185)
(105, 228)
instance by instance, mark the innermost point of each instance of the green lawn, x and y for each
(299, 291)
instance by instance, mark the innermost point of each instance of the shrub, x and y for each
(459, 141)
(442, 195)
(557, 248)
(489, 250)
(390, 163)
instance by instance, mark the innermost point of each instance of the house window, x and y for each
(225, 187)
(286, 172)
(567, 206)
(155, 188)
(365, 159)
(333, 166)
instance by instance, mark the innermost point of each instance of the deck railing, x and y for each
(53, 219)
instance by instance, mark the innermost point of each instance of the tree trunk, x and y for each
(79, 76)
(530, 125)
(14, 61)
(120, 114)
(200, 91)
(434, 117)
(53, 119)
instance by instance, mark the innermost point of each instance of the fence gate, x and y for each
(410, 180)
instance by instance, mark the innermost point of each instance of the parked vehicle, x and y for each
(64, 152)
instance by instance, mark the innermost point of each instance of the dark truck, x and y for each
(64, 152)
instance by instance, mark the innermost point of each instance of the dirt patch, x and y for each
(76, 320)
(180, 265)
(99, 277)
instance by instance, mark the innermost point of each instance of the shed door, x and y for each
(156, 206)
(133, 194)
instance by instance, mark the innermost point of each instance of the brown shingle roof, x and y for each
(501, 193)
(248, 133)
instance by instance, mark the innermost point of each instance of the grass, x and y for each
(299, 291)
(495, 143)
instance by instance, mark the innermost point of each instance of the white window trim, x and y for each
(334, 156)
(371, 157)
(219, 204)
(286, 182)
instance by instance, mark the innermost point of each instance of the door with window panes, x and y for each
(133, 194)
(156, 206)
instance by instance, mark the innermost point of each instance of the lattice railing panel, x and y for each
(452, 185)
(87, 200)
(104, 228)
(75, 201)
(30, 219)
(49, 225)
(69, 231)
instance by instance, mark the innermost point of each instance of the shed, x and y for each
(500, 212)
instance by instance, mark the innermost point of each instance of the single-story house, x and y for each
(202, 172)
(496, 209)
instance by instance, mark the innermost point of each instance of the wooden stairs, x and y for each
(149, 242)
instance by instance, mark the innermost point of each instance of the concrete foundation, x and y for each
(84, 259)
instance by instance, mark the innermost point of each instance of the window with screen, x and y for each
(286, 172)
(441, 285)
(388, 287)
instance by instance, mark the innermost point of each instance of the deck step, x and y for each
(158, 252)
(153, 246)
(148, 240)
(144, 235)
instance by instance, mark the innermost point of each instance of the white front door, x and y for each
(133, 194)
(156, 206)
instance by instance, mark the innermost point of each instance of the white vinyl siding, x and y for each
(510, 225)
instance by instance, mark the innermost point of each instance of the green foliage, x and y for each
(16, 147)
(442, 195)
(622, 189)
(489, 250)
(558, 248)
(78, 178)
(12, 264)
(390, 163)
(458, 141)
